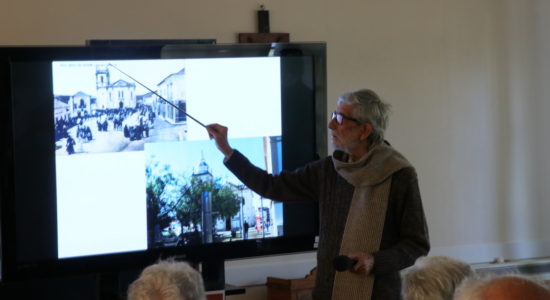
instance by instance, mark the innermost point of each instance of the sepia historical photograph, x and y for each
(98, 108)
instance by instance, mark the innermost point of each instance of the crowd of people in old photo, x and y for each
(133, 123)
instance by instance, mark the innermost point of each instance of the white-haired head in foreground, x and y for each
(433, 278)
(168, 280)
(502, 287)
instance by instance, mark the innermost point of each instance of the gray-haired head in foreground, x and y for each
(502, 287)
(370, 109)
(168, 280)
(433, 277)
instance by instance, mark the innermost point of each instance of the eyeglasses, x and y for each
(340, 118)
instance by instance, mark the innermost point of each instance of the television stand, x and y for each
(227, 291)
(213, 274)
(108, 286)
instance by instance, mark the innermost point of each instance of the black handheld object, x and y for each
(343, 263)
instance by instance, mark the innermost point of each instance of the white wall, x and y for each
(468, 81)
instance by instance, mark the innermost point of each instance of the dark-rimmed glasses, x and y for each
(340, 118)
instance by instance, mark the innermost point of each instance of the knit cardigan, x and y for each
(405, 234)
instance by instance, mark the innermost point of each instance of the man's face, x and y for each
(347, 135)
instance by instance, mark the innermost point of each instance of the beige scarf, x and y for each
(371, 177)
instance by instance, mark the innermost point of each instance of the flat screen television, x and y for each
(106, 164)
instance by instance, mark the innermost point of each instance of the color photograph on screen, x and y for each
(133, 172)
(192, 198)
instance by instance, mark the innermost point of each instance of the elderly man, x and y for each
(370, 207)
(501, 287)
(434, 278)
(168, 280)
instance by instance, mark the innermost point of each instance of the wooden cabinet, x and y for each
(215, 295)
(291, 289)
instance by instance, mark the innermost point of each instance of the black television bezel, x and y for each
(11, 270)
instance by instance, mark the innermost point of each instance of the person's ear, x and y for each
(367, 130)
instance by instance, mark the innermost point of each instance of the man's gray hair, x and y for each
(507, 286)
(168, 280)
(434, 278)
(370, 109)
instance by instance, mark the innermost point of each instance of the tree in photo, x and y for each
(225, 202)
(160, 198)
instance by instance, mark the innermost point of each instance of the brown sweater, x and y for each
(405, 235)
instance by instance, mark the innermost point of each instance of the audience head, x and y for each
(168, 280)
(433, 277)
(502, 287)
(370, 109)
